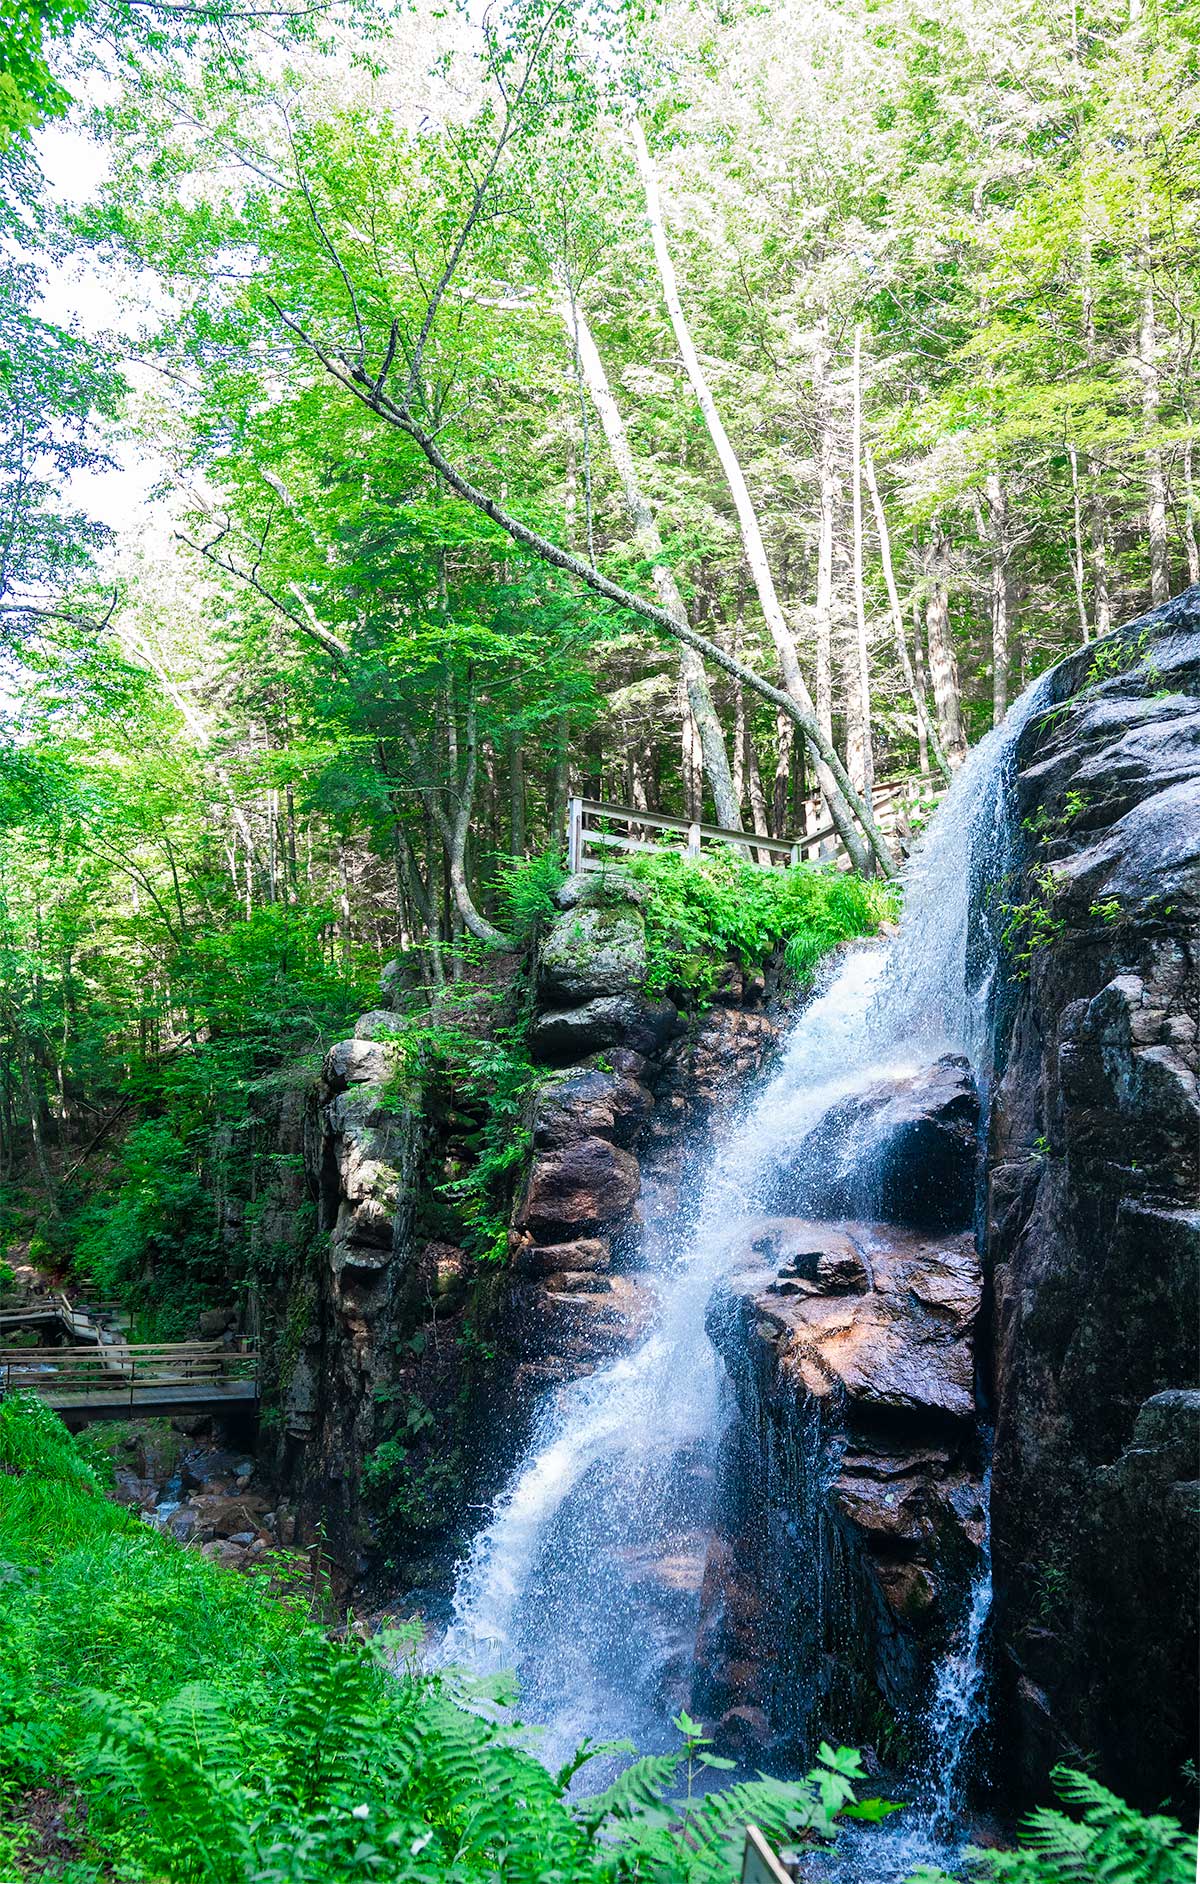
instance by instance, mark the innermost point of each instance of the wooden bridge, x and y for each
(98, 1374)
(592, 838)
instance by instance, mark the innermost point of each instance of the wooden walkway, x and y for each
(99, 1374)
(597, 829)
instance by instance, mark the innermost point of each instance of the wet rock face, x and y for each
(903, 1150)
(856, 1472)
(1093, 1236)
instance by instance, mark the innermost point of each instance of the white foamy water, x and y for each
(586, 1576)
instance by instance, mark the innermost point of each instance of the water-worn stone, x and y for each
(563, 1335)
(585, 1253)
(380, 1025)
(356, 1063)
(201, 1465)
(1092, 1233)
(227, 1516)
(904, 1344)
(587, 1103)
(901, 1149)
(850, 1347)
(562, 1036)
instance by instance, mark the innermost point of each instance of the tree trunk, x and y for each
(863, 689)
(648, 539)
(1190, 543)
(827, 477)
(927, 738)
(784, 745)
(752, 541)
(1156, 481)
(1001, 593)
(690, 766)
(371, 393)
(926, 732)
(758, 803)
(516, 798)
(942, 666)
(1077, 561)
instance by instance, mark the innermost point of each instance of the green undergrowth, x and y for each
(703, 912)
(189, 1724)
(195, 1726)
(1101, 1841)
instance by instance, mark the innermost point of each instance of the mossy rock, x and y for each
(593, 951)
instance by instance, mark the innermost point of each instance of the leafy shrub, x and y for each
(154, 1244)
(1107, 1843)
(701, 911)
(525, 890)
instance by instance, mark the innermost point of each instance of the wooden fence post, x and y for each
(759, 1863)
(574, 835)
(693, 840)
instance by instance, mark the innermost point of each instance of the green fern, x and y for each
(1109, 1843)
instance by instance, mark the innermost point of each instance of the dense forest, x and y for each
(415, 420)
(537, 404)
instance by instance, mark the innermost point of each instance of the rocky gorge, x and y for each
(957, 1326)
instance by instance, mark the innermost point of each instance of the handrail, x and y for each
(580, 837)
(118, 1371)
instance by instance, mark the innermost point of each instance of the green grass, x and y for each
(197, 1727)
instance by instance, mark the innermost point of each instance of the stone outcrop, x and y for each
(373, 1311)
(633, 1085)
(1092, 1228)
(857, 1477)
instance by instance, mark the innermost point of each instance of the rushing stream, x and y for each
(586, 1576)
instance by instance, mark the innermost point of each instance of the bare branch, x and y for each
(512, 107)
(307, 623)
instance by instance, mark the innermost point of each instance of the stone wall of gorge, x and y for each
(1092, 1226)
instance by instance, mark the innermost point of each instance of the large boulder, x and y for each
(853, 1468)
(588, 1102)
(902, 1149)
(593, 951)
(876, 1315)
(561, 1036)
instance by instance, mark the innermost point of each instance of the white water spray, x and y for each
(586, 1577)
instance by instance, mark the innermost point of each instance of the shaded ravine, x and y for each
(586, 1577)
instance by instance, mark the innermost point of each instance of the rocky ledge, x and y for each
(856, 1468)
(633, 1087)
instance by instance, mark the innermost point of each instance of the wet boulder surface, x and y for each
(902, 1149)
(1092, 1232)
(852, 1472)
(632, 1087)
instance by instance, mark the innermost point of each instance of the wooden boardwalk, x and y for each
(99, 1374)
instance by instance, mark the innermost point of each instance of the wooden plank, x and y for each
(592, 839)
(759, 1863)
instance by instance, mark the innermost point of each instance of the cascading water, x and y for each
(586, 1577)
(954, 1711)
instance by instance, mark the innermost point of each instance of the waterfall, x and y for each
(954, 1715)
(586, 1576)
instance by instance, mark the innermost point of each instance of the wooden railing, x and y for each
(137, 1373)
(588, 844)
